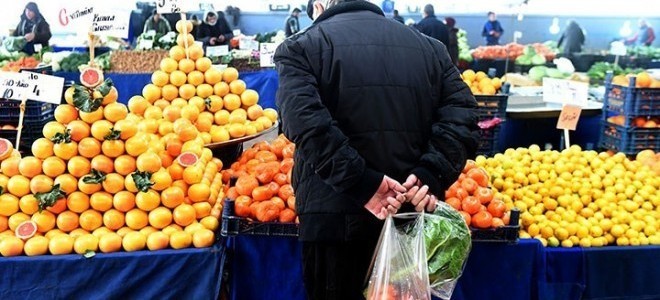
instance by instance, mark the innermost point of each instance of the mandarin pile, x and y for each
(580, 198)
(480, 84)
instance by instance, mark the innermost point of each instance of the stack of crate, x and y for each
(490, 107)
(37, 114)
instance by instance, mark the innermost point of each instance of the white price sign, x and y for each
(45, 88)
(14, 86)
(266, 53)
(76, 15)
(111, 23)
(216, 51)
(248, 44)
(169, 6)
(565, 91)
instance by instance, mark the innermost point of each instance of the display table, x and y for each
(129, 85)
(269, 268)
(164, 274)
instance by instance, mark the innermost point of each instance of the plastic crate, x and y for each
(504, 234)
(631, 101)
(491, 106)
(232, 226)
(488, 141)
(628, 140)
(34, 110)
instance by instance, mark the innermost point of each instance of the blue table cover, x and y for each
(269, 268)
(164, 274)
(129, 85)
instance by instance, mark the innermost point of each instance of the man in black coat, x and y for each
(431, 26)
(214, 30)
(369, 103)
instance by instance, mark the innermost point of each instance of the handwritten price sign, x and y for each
(266, 54)
(14, 86)
(169, 6)
(565, 91)
(111, 23)
(33, 86)
(568, 119)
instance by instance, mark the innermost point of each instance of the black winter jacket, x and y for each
(434, 28)
(363, 96)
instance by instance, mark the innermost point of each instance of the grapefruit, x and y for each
(6, 148)
(91, 77)
(26, 230)
(187, 159)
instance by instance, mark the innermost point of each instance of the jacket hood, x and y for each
(207, 14)
(348, 6)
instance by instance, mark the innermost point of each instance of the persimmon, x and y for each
(482, 219)
(466, 217)
(287, 216)
(485, 195)
(267, 211)
(280, 179)
(471, 205)
(278, 202)
(497, 222)
(265, 156)
(497, 208)
(470, 185)
(274, 188)
(245, 185)
(242, 206)
(288, 151)
(461, 193)
(261, 193)
(286, 191)
(291, 202)
(454, 202)
(469, 165)
(286, 165)
(480, 176)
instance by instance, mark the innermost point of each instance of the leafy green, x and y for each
(112, 135)
(105, 87)
(62, 137)
(82, 99)
(97, 177)
(48, 199)
(142, 180)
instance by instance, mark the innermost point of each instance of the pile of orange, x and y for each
(105, 179)
(262, 190)
(189, 90)
(642, 80)
(480, 84)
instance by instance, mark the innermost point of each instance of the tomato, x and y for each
(480, 176)
(470, 185)
(471, 205)
(485, 195)
(454, 202)
(497, 208)
(482, 219)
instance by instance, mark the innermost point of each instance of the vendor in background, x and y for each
(157, 23)
(492, 30)
(452, 46)
(292, 25)
(397, 17)
(644, 37)
(215, 30)
(33, 27)
(431, 26)
(572, 39)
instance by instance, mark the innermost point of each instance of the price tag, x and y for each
(110, 23)
(568, 119)
(45, 88)
(14, 86)
(565, 91)
(169, 6)
(236, 32)
(217, 51)
(266, 53)
(248, 44)
(618, 48)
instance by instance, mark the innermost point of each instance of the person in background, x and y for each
(292, 25)
(370, 134)
(452, 46)
(33, 27)
(431, 26)
(644, 37)
(214, 31)
(397, 17)
(492, 30)
(157, 23)
(572, 39)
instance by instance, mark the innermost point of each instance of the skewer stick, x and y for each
(20, 121)
(185, 33)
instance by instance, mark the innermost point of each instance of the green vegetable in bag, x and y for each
(14, 43)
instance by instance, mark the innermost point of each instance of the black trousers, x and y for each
(337, 270)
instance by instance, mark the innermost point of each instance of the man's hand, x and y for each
(29, 37)
(387, 198)
(418, 195)
(221, 39)
(213, 41)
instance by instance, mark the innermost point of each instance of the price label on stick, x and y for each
(111, 23)
(266, 54)
(14, 86)
(248, 44)
(217, 51)
(45, 88)
(568, 119)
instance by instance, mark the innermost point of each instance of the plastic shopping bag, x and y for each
(399, 269)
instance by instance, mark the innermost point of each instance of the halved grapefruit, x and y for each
(187, 159)
(26, 230)
(91, 77)
(6, 148)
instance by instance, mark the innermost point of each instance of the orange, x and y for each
(176, 171)
(160, 78)
(195, 52)
(113, 148)
(137, 105)
(229, 75)
(172, 197)
(84, 243)
(198, 102)
(265, 122)
(162, 103)
(178, 78)
(204, 124)
(192, 175)
(92, 117)
(195, 78)
(168, 65)
(124, 165)
(77, 202)
(79, 130)
(78, 232)
(11, 246)
(237, 87)
(179, 102)
(202, 209)
(88, 188)
(29, 166)
(114, 112)
(113, 219)
(37, 245)
(79, 166)
(45, 221)
(185, 40)
(171, 113)
(136, 145)
(28, 205)
(65, 151)
(113, 183)
(89, 147)
(199, 192)
(186, 65)
(157, 240)
(170, 91)
(181, 29)
(136, 219)
(148, 126)
(67, 221)
(101, 201)
(151, 93)
(643, 80)
(203, 64)
(123, 201)
(90, 220)
(161, 180)
(110, 242)
(42, 148)
(147, 201)
(177, 53)
(146, 231)
(18, 186)
(238, 116)
(129, 184)
(220, 89)
(190, 112)
(232, 102)
(165, 159)
(103, 163)
(16, 219)
(214, 103)
(180, 240)
(111, 97)
(9, 166)
(212, 76)
(8, 205)
(249, 98)
(187, 91)
(160, 217)
(254, 111)
(65, 113)
(52, 128)
(184, 214)
(203, 238)
(41, 184)
(68, 183)
(148, 162)
(153, 112)
(61, 244)
(204, 90)
(237, 130)
(271, 114)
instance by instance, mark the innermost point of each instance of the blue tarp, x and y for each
(164, 274)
